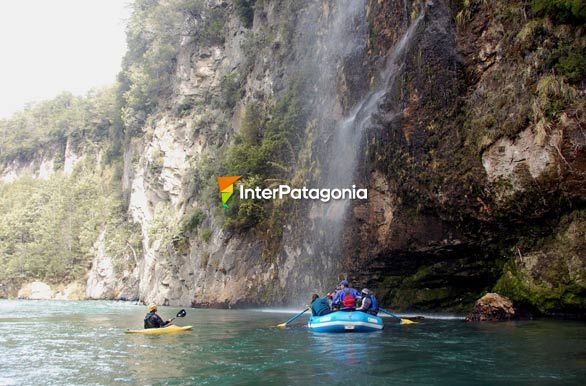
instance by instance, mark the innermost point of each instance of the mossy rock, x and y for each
(528, 294)
(550, 276)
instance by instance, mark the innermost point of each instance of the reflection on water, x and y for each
(67, 343)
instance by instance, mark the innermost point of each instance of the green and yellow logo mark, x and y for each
(226, 184)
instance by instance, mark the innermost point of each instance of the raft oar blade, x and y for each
(403, 321)
(181, 314)
(407, 321)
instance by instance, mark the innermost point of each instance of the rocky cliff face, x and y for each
(454, 115)
(460, 149)
(478, 165)
(43, 164)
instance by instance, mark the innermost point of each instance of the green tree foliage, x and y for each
(561, 11)
(152, 35)
(264, 153)
(192, 220)
(94, 117)
(49, 227)
(252, 124)
(213, 26)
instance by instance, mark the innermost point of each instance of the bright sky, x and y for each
(51, 46)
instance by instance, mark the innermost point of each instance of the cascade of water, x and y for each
(339, 48)
(347, 141)
(346, 148)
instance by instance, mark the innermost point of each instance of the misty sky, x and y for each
(51, 46)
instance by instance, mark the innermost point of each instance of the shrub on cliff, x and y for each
(245, 10)
(213, 29)
(264, 153)
(561, 11)
(230, 91)
(573, 65)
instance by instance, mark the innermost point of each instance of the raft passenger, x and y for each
(346, 297)
(320, 306)
(369, 302)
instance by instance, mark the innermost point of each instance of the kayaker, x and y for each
(346, 297)
(319, 306)
(369, 302)
(152, 320)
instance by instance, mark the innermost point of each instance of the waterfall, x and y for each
(347, 142)
(347, 146)
(317, 264)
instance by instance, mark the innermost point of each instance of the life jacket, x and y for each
(374, 307)
(348, 300)
(152, 320)
(320, 307)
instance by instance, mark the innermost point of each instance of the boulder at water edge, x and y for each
(36, 290)
(492, 307)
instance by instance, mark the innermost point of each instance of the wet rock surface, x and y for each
(492, 307)
(472, 186)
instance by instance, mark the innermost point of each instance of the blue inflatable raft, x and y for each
(345, 321)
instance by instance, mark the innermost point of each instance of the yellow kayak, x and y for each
(158, 331)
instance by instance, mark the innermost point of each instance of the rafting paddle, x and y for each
(292, 319)
(403, 321)
(180, 314)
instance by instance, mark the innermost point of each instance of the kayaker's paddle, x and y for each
(293, 318)
(180, 314)
(403, 321)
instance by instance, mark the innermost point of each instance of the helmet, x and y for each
(344, 283)
(366, 291)
(152, 308)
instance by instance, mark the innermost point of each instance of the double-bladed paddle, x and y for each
(180, 314)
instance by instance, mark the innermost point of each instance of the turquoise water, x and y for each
(83, 343)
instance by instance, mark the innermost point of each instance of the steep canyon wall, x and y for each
(455, 115)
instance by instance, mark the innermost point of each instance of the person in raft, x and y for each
(369, 302)
(320, 306)
(152, 320)
(346, 297)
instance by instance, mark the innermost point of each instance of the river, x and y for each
(82, 343)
